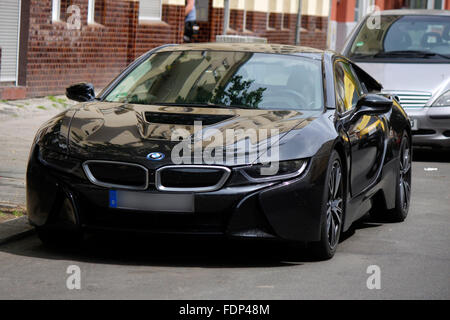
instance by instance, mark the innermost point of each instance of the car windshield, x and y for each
(423, 37)
(224, 79)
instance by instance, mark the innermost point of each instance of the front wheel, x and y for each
(403, 188)
(333, 211)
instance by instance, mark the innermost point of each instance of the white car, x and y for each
(408, 52)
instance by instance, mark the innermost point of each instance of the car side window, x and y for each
(348, 87)
(360, 84)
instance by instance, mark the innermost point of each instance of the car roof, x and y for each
(244, 47)
(415, 12)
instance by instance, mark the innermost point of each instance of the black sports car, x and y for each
(241, 140)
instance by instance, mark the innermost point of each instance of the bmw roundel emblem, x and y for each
(155, 156)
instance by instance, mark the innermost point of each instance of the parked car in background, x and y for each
(409, 53)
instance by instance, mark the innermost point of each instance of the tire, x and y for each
(59, 238)
(333, 211)
(403, 186)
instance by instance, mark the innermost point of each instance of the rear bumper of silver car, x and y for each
(430, 126)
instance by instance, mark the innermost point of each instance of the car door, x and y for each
(366, 134)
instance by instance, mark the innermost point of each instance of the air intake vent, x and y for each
(422, 132)
(411, 99)
(113, 174)
(184, 118)
(191, 178)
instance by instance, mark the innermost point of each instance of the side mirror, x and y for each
(373, 104)
(81, 92)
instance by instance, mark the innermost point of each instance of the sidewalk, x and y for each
(28, 108)
(14, 229)
(19, 121)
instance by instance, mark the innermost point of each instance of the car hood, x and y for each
(119, 132)
(427, 77)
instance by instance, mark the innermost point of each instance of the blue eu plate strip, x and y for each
(112, 198)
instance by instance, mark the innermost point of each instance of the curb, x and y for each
(15, 229)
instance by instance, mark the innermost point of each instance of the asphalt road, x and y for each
(413, 257)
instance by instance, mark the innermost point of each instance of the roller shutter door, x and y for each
(9, 34)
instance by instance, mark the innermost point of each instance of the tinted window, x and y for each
(239, 79)
(348, 87)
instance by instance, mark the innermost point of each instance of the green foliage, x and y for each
(238, 93)
(17, 213)
(61, 101)
(234, 93)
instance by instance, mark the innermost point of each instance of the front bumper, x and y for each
(288, 210)
(433, 126)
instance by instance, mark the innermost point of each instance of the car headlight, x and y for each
(443, 100)
(60, 162)
(273, 171)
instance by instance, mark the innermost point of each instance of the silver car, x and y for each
(408, 52)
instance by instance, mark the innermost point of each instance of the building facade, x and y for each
(46, 45)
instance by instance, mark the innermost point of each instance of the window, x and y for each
(248, 20)
(286, 9)
(425, 4)
(202, 8)
(56, 4)
(438, 4)
(348, 87)
(357, 12)
(271, 20)
(59, 9)
(61, 12)
(285, 20)
(96, 11)
(100, 11)
(234, 20)
(150, 10)
(244, 79)
(91, 11)
(64, 15)
(272, 14)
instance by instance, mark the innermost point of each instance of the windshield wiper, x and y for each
(201, 105)
(362, 56)
(400, 54)
(409, 53)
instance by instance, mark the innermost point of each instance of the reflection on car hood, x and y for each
(114, 131)
(426, 77)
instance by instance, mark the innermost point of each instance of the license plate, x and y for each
(414, 124)
(146, 201)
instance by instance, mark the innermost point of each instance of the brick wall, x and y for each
(58, 56)
(153, 34)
